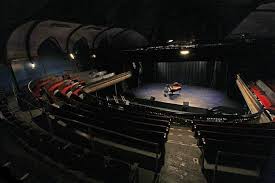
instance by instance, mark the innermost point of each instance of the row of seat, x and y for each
(181, 119)
(175, 118)
(140, 137)
(95, 100)
(93, 164)
(90, 99)
(240, 146)
(261, 96)
(103, 143)
(7, 171)
(117, 124)
(133, 133)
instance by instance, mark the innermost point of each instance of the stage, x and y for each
(197, 96)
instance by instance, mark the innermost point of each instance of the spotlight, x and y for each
(72, 56)
(93, 55)
(33, 65)
(184, 52)
(170, 41)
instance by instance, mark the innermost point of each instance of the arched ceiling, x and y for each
(25, 41)
(156, 19)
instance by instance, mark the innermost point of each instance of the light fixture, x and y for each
(170, 41)
(72, 56)
(93, 55)
(184, 52)
(33, 65)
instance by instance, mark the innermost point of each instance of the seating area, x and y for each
(79, 130)
(100, 167)
(264, 93)
(230, 149)
(130, 136)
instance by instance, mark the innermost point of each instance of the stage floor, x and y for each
(197, 96)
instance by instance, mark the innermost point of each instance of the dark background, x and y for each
(156, 19)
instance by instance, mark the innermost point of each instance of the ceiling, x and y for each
(156, 19)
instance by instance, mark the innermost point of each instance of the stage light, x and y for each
(72, 56)
(93, 55)
(184, 52)
(33, 65)
(170, 41)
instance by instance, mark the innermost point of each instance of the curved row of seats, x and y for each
(244, 148)
(74, 157)
(126, 136)
(75, 88)
(125, 131)
(262, 97)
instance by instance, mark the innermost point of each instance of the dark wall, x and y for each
(156, 19)
(5, 78)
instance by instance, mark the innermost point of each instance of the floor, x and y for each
(197, 96)
(182, 158)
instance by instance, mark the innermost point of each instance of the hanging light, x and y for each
(72, 56)
(184, 52)
(33, 65)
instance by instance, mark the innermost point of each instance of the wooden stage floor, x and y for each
(197, 96)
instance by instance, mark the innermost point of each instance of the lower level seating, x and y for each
(237, 129)
(93, 164)
(239, 147)
(134, 150)
(212, 146)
